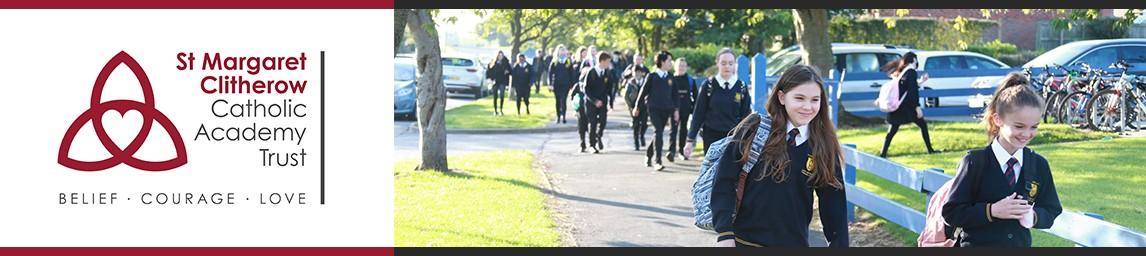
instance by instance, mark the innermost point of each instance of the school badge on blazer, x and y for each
(737, 98)
(810, 166)
(1034, 190)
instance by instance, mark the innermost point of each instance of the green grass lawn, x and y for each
(949, 137)
(479, 114)
(945, 136)
(492, 201)
(1109, 188)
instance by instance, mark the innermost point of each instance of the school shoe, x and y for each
(658, 167)
(671, 157)
(648, 162)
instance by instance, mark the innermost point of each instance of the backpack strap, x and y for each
(753, 155)
(762, 132)
(740, 182)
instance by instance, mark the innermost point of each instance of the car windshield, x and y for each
(1057, 56)
(774, 67)
(457, 62)
(403, 72)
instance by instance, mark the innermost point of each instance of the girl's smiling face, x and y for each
(1018, 127)
(802, 103)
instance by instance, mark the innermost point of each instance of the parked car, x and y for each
(861, 61)
(937, 61)
(464, 75)
(405, 88)
(1096, 53)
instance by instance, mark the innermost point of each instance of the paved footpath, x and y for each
(609, 199)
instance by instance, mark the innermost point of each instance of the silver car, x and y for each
(464, 75)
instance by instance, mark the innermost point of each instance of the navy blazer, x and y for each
(980, 182)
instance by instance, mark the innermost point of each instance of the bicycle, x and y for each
(1116, 109)
(1072, 109)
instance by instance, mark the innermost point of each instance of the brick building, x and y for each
(1016, 28)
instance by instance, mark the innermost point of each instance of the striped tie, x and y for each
(1011, 171)
(792, 136)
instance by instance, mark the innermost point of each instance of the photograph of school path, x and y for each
(474, 167)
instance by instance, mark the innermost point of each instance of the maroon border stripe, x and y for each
(198, 4)
(197, 251)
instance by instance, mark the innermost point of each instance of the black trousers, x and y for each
(709, 136)
(678, 135)
(640, 126)
(659, 117)
(582, 124)
(596, 122)
(522, 95)
(562, 96)
(895, 128)
(602, 119)
(498, 97)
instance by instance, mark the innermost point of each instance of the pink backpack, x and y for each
(933, 234)
(886, 101)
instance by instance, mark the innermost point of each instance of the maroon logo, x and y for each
(145, 108)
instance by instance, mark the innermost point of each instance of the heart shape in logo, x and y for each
(122, 125)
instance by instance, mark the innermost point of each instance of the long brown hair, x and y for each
(496, 58)
(825, 146)
(1013, 92)
(893, 68)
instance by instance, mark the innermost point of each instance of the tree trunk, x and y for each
(516, 30)
(658, 39)
(545, 45)
(431, 92)
(399, 28)
(812, 33)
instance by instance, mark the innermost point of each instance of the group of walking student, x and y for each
(663, 94)
(999, 193)
(519, 76)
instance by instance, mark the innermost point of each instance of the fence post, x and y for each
(760, 85)
(834, 103)
(927, 201)
(850, 178)
(1092, 215)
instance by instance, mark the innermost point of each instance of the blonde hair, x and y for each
(676, 64)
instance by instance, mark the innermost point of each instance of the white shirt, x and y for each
(600, 72)
(800, 138)
(1002, 156)
(729, 82)
(661, 73)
